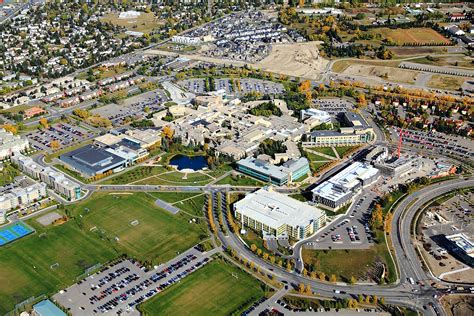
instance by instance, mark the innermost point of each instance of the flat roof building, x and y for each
(47, 308)
(339, 190)
(54, 179)
(290, 171)
(90, 160)
(278, 215)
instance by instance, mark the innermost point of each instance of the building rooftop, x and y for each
(278, 172)
(342, 183)
(47, 308)
(276, 209)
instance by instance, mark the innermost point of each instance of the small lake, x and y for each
(189, 162)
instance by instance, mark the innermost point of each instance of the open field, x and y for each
(216, 289)
(419, 35)
(387, 73)
(157, 236)
(342, 150)
(460, 61)
(445, 82)
(323, 150)
(145, 23)
(296, 59)
(26, 264)
(341, 65)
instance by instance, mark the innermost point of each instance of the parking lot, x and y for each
(135, 107)
(224, 84)
(332, 106)
(120, 287)
(350, 231)
(65, 134)
(194, 85)
(260, 86)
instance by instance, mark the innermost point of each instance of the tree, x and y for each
(253, 247)
(376, 219)
(382, 300)
(259, 252)
(313, 275)
(333, 278)
(375, 300)
(308, 289)
(388, 222)
(168, 132)
(11, 128)
(301, 288)
(361, 99)
(54, 144)
(305, 272)
(352, 280)
(322, 276)
(368, 299)
(44, 122)
(288, 266)
(360, 298)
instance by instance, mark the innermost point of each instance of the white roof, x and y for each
(275, 209)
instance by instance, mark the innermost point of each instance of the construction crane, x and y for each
(400, 141)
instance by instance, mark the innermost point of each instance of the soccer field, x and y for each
(216, 289)
(133, 224)
(36, 265)
(25, 265)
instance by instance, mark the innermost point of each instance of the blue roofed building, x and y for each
(47, 308)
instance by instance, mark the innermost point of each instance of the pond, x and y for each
(189, 162)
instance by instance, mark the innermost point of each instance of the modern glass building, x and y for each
(278, 175)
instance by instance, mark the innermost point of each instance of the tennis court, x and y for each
(13, 232)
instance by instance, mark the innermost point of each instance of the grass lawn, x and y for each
(135, 174)
(324, 150)
(345, 263)
(157, 237)
(341, 150)
(192, 206)
(76, 175)
(25, 264)
(240, 180)
(7, 174)
(216, 289)
(173, 197)
(145, 23)
(446, 82)
(177, 178)
(313, 157)
(315, 166)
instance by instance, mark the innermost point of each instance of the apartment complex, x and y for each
(263, 170)
(340, 189)
(19, 194)
(278, 215)
(10, 144)
(54, 179)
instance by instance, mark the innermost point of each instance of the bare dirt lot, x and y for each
(387, 73)
(296, 59)
(145, 23)
(446, 82)
(457, 305)
(49, 218)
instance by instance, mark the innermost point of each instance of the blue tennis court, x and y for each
(13, 232)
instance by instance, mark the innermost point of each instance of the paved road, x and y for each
(402, 293)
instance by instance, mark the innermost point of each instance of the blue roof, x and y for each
(47, 308)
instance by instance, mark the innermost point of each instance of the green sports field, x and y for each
(25, 265)
(216, 289)
(143, 230)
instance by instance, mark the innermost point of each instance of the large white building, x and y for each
(278, 215)
(339, 190)
(54, 179)
(10, 144)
